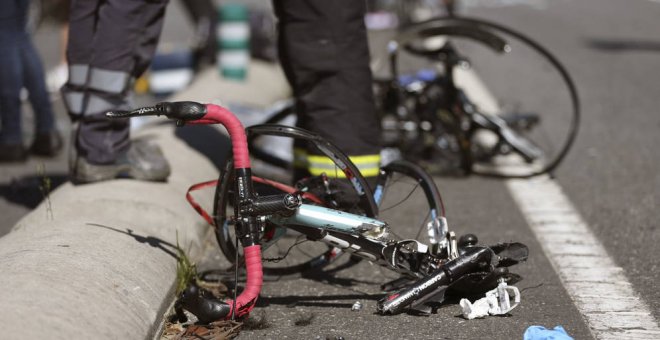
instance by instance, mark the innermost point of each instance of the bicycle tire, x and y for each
(402, 178)
(324, 256)
(422, 30)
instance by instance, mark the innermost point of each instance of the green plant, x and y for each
(45, 187)
(186, 271)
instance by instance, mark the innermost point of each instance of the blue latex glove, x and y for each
(542, 333)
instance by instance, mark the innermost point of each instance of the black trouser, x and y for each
(325, 56)
(111, 42)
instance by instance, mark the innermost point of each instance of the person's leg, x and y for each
(117, 49)
(48, 141)
(101, 81)
(33, 79)
(324, 53)
(11, 143)
(10, 87)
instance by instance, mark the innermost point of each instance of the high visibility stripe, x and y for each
(365, 159)
(337, 173)
(108, 80)
(74, 102)
(98, 104)
(369, 165)
(78, 74)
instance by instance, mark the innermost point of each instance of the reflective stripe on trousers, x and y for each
(369, 165)
(93, 90)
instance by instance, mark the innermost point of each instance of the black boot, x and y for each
(47, 144)
(12, 153)
(142, 161)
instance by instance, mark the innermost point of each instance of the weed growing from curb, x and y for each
(186, 271)
(45, 187)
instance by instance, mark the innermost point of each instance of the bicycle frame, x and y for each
(363, 236)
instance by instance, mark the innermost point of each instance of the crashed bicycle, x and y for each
(258, 210)
(430, 118)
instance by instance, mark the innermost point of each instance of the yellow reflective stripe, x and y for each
(371, 172)
(365, 159)
(369, 165)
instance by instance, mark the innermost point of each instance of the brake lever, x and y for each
(143, 111)
(181, 111)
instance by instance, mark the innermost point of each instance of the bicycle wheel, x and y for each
(286, 252)
(257, 149)
(409, 201)
(516, 127)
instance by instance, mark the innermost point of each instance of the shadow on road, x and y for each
(317, 301)
(212, 143)
(622, 45)
(30, 190)
(150, 240)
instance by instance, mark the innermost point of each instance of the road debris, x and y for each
(496, 302)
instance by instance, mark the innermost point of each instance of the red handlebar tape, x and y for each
(218, 114)
(255, 279)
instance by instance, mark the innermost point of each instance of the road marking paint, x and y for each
(597, 286)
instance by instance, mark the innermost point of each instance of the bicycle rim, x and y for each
(410, 202)
(555, 133)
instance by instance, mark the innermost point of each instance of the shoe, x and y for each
(143, 161)
(47, 144)
(12, 153)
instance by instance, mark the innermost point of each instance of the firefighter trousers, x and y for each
(324, 53)
(111, 43)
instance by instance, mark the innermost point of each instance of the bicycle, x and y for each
(428, 272)
(439, 115)
(434, 122)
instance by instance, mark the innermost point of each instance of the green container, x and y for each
(233, 36)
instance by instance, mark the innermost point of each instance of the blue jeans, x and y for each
(20, 67)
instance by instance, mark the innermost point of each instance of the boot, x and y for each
(12, 153)
(47, 144)
(142, 161)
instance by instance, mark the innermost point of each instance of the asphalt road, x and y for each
(611, 49)
(611, 176)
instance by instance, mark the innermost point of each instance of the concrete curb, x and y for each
(98, 261)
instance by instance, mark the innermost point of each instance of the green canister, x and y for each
(233, 34)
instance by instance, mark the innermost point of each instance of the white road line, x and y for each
(598, 287)
(596, 284)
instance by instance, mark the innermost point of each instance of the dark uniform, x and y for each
(323, 49)
(111, 43)
(325, 56)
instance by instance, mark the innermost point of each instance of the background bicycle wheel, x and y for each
(504, 77)
(494, 82)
